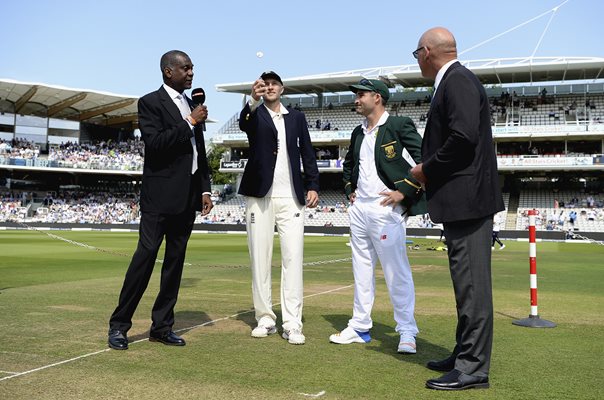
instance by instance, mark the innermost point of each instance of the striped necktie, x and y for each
(185, 110)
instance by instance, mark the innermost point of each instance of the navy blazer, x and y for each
(262, 137)
(457, 151)
(168, 185)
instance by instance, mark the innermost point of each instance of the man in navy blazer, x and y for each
(176, 184)
(274, 185)
(459, 170)
(262, 135)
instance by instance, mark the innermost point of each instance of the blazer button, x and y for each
(274, 153)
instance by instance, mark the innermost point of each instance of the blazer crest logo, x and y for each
(389, 150)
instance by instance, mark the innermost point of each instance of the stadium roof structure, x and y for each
(501, 71)
(83, 105)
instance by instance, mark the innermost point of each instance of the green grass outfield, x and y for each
(56, 298)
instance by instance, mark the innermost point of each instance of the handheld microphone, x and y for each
(198, 96)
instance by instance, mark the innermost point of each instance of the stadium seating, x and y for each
(557, 110)
(553, 210)
(101, 205)
(88, 207)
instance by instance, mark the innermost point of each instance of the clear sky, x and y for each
(115, 45)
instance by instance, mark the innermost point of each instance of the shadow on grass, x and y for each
(385, 340)
(184, 321)
(189, 282)
(507, 315)
(247, 317)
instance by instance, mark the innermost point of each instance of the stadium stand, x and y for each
(549, 139)
(99, 155)
(126, 155)
(523, 110)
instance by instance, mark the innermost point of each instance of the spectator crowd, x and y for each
(19, 148)
(125, 155)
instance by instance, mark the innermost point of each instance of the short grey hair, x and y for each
(170, 59)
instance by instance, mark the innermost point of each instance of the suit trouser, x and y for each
(261, 216)
(469, 249)
(379, 232)
(153, 227)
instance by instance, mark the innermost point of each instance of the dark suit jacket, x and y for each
(395, 135)
(262, 137)
(457, 151)
(168, 186)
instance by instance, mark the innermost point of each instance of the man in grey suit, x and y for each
(459, 171)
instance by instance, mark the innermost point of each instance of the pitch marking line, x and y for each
(17, 374)
(321, 393)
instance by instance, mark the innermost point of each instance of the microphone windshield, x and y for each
(198, 96)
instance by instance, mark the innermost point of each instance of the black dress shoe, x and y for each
(445, 365)
(457, 380)
(117, 340)
(170, 338)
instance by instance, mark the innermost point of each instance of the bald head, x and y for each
(441, 43)
(441, 48)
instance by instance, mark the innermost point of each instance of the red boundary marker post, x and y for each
(533, 321)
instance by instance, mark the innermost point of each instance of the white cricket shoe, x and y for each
(294, 336)
(407, 345)
(263, 331)
(349, 335)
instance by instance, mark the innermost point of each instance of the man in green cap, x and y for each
(382, 194)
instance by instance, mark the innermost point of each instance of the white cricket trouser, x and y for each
(379, 232)
(261, 216)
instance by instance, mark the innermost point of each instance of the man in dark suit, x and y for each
(459, 171)
(176, 184)
(274, 186)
